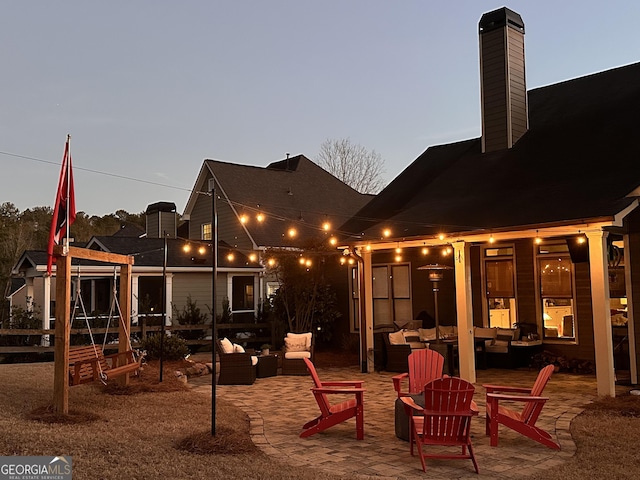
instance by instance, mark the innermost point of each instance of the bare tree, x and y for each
(353, 164)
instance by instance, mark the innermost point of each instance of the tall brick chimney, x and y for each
(503, 89)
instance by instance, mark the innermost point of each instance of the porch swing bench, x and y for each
(88, 364)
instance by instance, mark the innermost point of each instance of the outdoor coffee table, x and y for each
(267, 366)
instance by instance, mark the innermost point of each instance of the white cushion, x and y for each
(295, 345)
(488, 333)
(301, 336)
(412, 338)
(238, 348)
(448, 330)
(396, 338)
(227, 346)
(508, 332)
(427, 334)
(254, 360)
(291, 355)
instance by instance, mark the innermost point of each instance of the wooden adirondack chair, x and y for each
(424, 365)
(331, 415)
(445, 420)
(523, 422)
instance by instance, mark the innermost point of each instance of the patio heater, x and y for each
(436, 274)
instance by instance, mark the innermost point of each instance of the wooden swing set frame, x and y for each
(64, 256)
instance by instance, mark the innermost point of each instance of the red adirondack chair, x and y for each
(445, 420)
(331, 415)
(523, 422)
(424, 365)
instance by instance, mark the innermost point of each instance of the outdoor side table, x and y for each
(267, 366)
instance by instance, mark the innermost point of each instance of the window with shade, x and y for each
(555, 276)
(391, 294)
(500, 288)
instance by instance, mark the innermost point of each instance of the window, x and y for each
(391, 294)
(206, 231)
(555, 278)
(500, 286)
(150, 297)
(242, 299)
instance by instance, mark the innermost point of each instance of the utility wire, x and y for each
(98, 172)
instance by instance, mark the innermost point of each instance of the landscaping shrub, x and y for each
(174, 347)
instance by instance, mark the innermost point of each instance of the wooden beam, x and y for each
(124, 326)
(63, 325)
(96, 255)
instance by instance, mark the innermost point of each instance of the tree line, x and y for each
(29, 230)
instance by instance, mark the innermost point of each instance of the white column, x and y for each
(169, 299)
(46, 308)
(601, 307)
(631, 329)
(368, 308)
(28, 304)
(135, 304)
(466, 348)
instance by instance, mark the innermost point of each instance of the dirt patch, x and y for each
(148, 379)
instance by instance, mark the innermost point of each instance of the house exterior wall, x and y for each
(196, 285)
(201, 214)
(525, 281)
(632, 262)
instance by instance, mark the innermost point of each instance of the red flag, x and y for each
(64, 210)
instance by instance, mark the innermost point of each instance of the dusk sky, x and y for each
(148, 89)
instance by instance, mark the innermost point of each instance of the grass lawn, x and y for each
(149, 431)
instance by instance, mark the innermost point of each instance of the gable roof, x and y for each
(579, 160)
(290, 191)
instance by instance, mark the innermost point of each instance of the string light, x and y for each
(343, 260)
(301, 260)
(292, 232)
(333, 241)
(253, 257)
(581, 239)
(441, 236)
(271, 262)
(260, 217)
(367, 248)
(491, 239)
(230, 256)
(386, 233)
(351, 261)
(538, 240)
(398, 258)
(244, 219)
(326, 226)
(202, 250)
(186, 248)
(425, 250)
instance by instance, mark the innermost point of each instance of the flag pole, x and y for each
(66, 242)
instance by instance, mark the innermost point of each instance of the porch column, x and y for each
(631, 327)
(169, 299)
(29, 300)
(46, 308)
(466, 348)
(135, 302)
(600, 305)
(368, 308)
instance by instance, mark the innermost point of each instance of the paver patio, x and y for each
(279, 406)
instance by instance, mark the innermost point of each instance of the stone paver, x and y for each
(279, 406)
